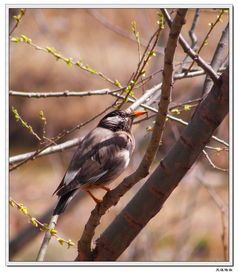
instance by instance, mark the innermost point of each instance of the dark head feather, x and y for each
(117, 120)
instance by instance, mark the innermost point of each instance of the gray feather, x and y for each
(102, 156)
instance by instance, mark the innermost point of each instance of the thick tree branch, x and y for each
(151, 197)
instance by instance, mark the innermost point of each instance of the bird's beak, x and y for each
(137, 113)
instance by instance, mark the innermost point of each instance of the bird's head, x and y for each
(119, 120)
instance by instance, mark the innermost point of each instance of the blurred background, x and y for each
(193, 224)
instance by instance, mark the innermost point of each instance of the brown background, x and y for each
(189, 226)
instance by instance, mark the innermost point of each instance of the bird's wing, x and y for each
(98, 163)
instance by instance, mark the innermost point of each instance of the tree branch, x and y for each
(151, 197)
(47, 151)
(61, 93)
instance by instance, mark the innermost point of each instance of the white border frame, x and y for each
(219, 264)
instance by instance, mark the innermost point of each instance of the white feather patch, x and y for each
(69, 176)
(126, 155)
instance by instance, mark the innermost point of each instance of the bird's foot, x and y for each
(96, 200)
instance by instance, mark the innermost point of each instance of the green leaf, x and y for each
(53, 232)
(33, 221)
(16, 39)
(187, 107)
(11, 203)
(17, 116)
(50, 49)
(79, 63)
(90, 69)
(23, 209)
(128, 88)
(117, 83)
(70, 243)
(160, 22)
(61, 241)
(218, 149)
(42, 117)
(25, 39)
(68, 61)
(175, 110)
(17, 17)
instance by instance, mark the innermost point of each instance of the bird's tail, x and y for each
(63, 202)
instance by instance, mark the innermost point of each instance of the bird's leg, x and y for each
(107, 189)
(96, 200)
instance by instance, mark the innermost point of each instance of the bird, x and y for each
(102, 155)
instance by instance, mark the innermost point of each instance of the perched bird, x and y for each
(102, 156)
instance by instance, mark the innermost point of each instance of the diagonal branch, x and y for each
(112, 197)
(151, 197)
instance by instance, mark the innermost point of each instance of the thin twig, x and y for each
(212, 164)
(189, 102)
(217, 58)
(222, 207)
(141, 65)
(212, 26)
(191, 32)
(18, 20)
(62, 93)
(192, 36)
(187, 49)
(59, 56)
(47, 238)
(36, 223)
